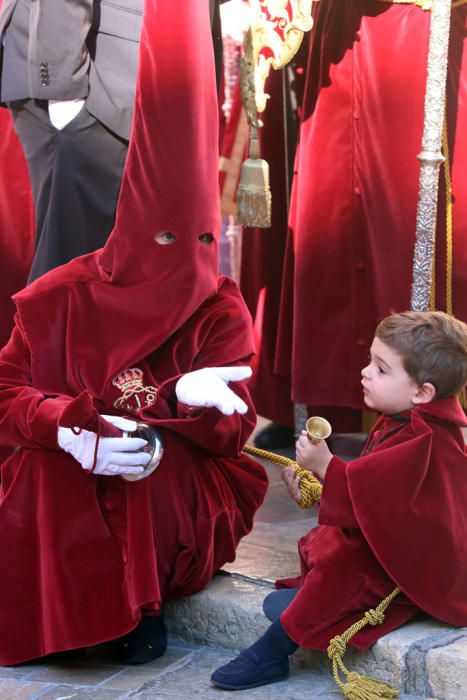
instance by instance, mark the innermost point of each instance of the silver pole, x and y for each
(431, 156)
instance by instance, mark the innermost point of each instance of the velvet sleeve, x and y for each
(336, 507)
(28, 418)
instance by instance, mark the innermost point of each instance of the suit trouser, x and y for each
(75, 178)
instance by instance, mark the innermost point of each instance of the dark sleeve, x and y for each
(335, 506)
(28, 418)
(58, 55)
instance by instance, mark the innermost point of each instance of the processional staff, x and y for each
(431, 156)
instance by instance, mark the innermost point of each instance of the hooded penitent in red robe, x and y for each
(393, 517)
(354, 198)
(82, 555)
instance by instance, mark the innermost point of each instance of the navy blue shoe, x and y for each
(248, 670)
(276, 602)
(145, 643)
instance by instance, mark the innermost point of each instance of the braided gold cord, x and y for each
(310, 487)
(449, 227)
(356, 686)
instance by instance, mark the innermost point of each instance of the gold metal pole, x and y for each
(431, 156)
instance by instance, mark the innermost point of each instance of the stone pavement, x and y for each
(425, 659)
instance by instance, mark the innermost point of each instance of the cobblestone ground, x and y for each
(183, 673)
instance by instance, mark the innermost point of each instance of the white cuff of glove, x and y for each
(208, 388)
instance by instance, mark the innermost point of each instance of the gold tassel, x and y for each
(254, 194)
(355, 686)
(359, 687)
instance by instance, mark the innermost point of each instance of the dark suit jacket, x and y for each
(43, 59)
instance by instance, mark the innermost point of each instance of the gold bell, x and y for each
(318, 429)
(253, 193)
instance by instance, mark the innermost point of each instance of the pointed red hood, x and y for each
(105, 310)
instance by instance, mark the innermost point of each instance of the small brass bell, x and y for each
(318, 429)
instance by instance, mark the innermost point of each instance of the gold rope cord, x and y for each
(310, 487)
(449, 226)
(356, 686)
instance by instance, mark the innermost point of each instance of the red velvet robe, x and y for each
(393, 517)
(354, 199)
(81, 555)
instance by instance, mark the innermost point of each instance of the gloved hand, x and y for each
(129, 426)
(208, 387)
(114, 455)
(62, 113)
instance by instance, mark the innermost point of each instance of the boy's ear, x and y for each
(424, 394)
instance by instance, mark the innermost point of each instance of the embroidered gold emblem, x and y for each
(136, 396)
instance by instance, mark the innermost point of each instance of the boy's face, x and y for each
(386, 385)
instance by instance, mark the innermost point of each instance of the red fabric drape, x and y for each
(353, 213)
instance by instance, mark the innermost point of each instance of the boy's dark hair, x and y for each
(433, 347)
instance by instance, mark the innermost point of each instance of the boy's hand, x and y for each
(314, 457)
(292, 482)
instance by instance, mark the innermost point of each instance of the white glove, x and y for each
(208, 387)
(114, 455)
(62, 113)
(129, 426)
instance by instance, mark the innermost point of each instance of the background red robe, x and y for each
(354, 200)
(16, 222)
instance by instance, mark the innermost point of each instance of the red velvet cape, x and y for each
(84, 555)
(393, 517)
(354, 200)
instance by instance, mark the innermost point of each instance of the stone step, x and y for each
(424, 659)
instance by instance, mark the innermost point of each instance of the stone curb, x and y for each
(426, 658)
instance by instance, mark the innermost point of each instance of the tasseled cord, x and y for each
(356, 686)
(254, 194)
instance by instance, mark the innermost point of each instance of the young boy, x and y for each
(393, 517)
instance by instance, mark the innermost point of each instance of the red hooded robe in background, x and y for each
(16, 222)
(354, 196)
(110, 333)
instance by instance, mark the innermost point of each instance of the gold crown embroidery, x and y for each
(135, 396)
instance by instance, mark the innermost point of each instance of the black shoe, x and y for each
(145, 643)
(266, 661)
(275, 435)
(248, 670)
(276, 602)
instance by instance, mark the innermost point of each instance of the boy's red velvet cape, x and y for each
(410, 500)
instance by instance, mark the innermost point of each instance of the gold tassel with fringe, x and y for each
(356, 686)
(254, 194)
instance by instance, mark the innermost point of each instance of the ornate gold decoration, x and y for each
(276, 31)
(136, 396)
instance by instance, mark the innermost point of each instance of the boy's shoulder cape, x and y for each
(410, 499)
